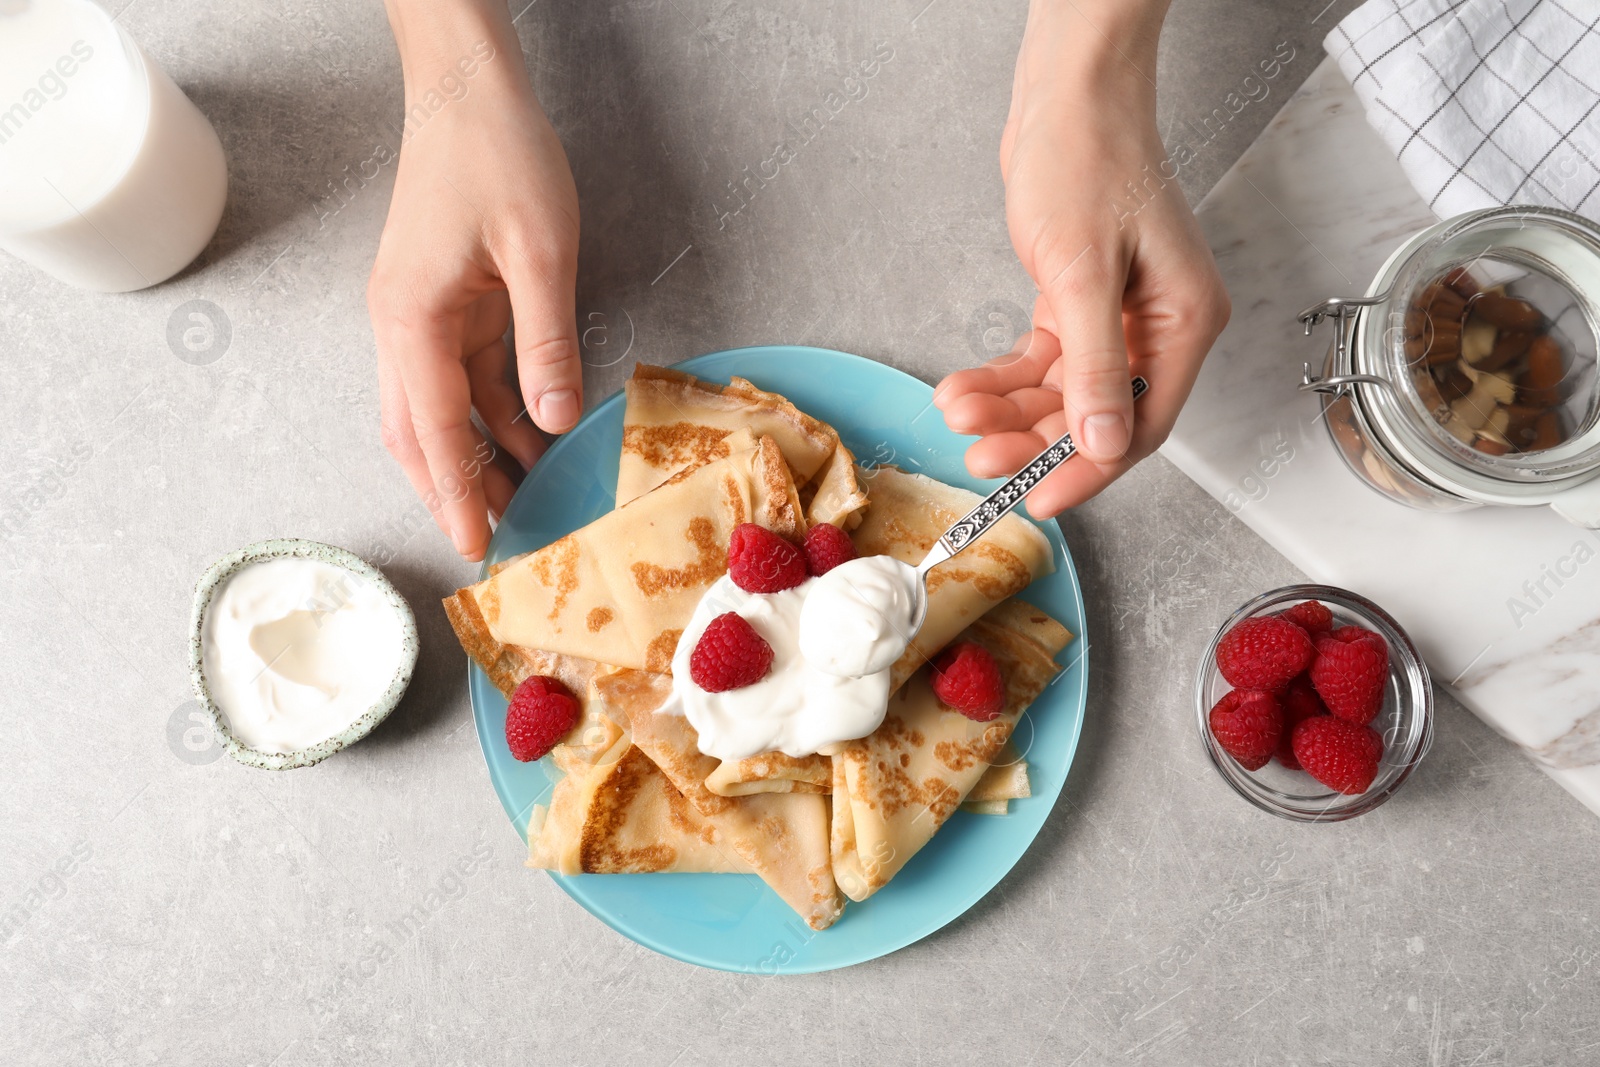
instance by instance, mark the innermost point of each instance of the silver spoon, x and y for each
(994, 507)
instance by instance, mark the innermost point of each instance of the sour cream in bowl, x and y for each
(298, 649)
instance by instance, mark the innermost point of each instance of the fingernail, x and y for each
(459, 541)
(558, 410)
(939, 392)
(1105, 436)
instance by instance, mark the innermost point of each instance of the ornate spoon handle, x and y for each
(1000, 502)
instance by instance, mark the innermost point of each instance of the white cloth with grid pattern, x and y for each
(1484, 102)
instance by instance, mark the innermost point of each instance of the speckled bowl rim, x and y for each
(298, 548)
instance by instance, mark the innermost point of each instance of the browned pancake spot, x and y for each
(733, 500)
(959, 755)
(658, 653)
(675, 445)
(1012, 579)
(556, 567)
(488, 598)
(597, 853)
(941, 799)
(599, 618)
(784, 518)
(710, 562)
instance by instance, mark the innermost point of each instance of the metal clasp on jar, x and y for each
(1342, 309)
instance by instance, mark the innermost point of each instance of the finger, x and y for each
(1154, 413)
(489, 466)
(400, 438)
(545, 319)
(436, 388)
(1072, 484)
(500, 406)
(1027, 364)
(1001, 455)
(983, 414)
(1085, 296)
(498, 489)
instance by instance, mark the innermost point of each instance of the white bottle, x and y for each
(110, 178)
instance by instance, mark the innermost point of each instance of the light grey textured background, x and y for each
(218, 914)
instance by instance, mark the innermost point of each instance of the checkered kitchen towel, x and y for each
(1484, 102)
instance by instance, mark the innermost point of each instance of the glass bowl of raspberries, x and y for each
(1313, 703)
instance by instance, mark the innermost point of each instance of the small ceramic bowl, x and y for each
(294, 547)
(1405, 722)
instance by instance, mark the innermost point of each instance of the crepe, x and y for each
(893, 790)
(507, 666)
(620, 815)
(784, 837)
(772, 772)
(908, 513)
(775, 772)
(673, 420)
(620, 590)
(1005, 780)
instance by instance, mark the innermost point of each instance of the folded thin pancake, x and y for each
(1005, 780)
(775, 772)
(620, 590)
(908, 513)
(620, 815)
(508, 665)
(673, 420)
(893, 790)
(772, 772)
(784, 837)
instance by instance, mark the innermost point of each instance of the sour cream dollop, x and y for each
(857, 617)
(295, 650)
(829, 680)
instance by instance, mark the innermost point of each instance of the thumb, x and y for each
(1084, 298)
(544, 321)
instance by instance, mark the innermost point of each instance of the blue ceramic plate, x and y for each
(733, 922)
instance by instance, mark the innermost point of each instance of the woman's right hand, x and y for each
(482, 231)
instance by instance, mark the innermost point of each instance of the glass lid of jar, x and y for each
(1488, 336)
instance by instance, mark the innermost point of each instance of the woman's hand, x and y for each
(1126, 283)
(482, 229)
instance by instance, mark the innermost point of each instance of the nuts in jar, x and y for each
(1493, 366)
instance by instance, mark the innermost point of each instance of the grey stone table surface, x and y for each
(165, 905)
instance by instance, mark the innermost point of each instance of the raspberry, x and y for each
(967, 679)
(541, 713)
(1263, 653)
(1351, 673)
(1341, 755)
(729, 655)
(827, 546)
(1247, 724)
(1312, 616)
(759, 561)
(1356, 633)
(1300, 702)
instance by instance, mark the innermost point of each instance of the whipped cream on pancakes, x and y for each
(834, 641)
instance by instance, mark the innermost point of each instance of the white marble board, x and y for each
(1504, 603)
